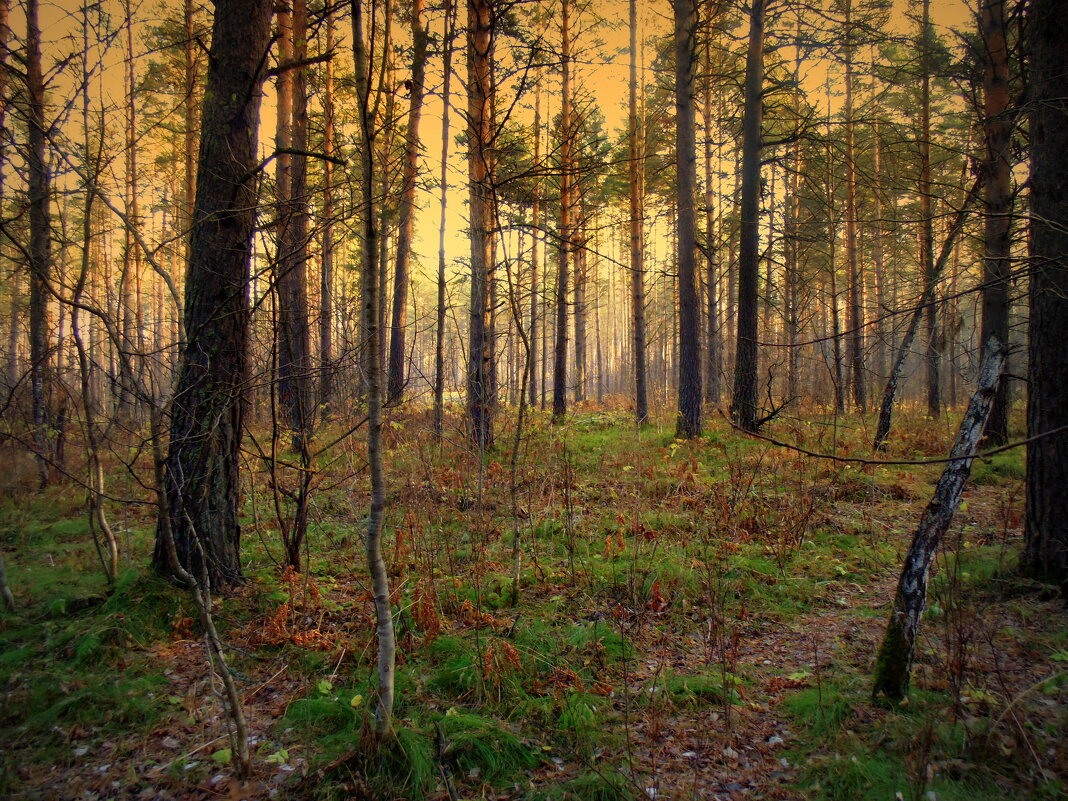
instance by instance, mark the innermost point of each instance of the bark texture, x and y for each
(744, 402)
(202, 482)
(894, 664)
(689, 419)
(1045, 527)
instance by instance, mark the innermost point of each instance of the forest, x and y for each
(534, 399)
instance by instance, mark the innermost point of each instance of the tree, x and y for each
(565, 245)
(439, 327)
(997, 131)
(636, 174)
(1045, 532)
(689, 421)
(927, 259)
(894, 664)
(39, 187)
(481, 355)
(376, 565)
(397, 354)
(209, 402)
(294, 333)
(854, 317)
(744, 402)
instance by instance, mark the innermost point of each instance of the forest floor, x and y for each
(693, 620)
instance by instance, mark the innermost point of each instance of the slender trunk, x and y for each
(894, 663)
(439, 329)
(480, 378)
(855, 317)
(565, 234)
(376, 565)
(712, 347)
(689, 331)
(934, 347)
(997, 263)
(927, 299)
(397, 354)
(294, 334)
(39, 186)
(326, 276)
(535, 241)
(12, 367)
(744, 403)
(637, 228)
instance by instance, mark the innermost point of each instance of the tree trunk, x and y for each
(934, 354)
(886, 411)
(712, 345)
(202, 481)
(480, 378)
(1045, 531)
(998, 216)
(39, 189)
(326, 275)
(439, 329)
(535, 241)
(689, 420)
(636, 173)
(854, 318)
(294, 335)
(744, 402)
(894, 664)
(565, 234)
(397, 355)
(387, 650)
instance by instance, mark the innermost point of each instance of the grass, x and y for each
(653, 574)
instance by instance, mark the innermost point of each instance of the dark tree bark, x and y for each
(1045, 530)
(208, 408)
(637, 228)
(397, 355)
(997, 129)
(39, 186)
(744, 402)
(854, 316)
(712, 342)
(689, 420)
(894, 664)
(480, 374)
(294, 335)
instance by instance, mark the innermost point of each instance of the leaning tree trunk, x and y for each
(886, 411)
(202, 481)
(689, 418)
(1045, 530)
(894, 664)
